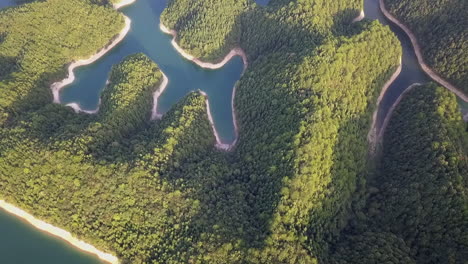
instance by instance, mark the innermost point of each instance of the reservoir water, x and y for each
(184, 76)
(22, 244)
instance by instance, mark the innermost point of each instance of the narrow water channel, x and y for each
(411, 72)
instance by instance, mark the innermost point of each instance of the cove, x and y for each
(184, 76)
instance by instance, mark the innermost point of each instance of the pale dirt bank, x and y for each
(206, 65)
(360, 17)
(57, 86)
(154, 113)
(392, 109)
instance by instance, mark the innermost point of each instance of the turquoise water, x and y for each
(20, 243)
(411, 72)
(184, 76)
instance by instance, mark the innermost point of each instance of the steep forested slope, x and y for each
(417, 209)
(441, 26)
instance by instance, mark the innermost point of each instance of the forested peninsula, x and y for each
(298, 187)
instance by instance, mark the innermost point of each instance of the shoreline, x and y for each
(154, 112)
(372, 136)
(122, 3)
(57, 86)
(57, 232)
(392, 109)
(417, 50)
(361, 16)
(212, 66)
(206, 65)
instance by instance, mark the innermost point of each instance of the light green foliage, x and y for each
(105, 181)
(441, 26)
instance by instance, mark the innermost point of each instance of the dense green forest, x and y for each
(441, 26)
(416, 209)
(289, 192)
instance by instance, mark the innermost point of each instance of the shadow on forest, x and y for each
(343, 25)
(263, 33)
(8, 65)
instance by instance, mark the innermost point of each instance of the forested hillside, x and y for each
(107, 178)
(441, 27)
(317, 145)
(293, 190)
(417, 206)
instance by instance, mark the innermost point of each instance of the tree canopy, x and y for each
(295, 185)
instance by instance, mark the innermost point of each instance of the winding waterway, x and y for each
(16, 237)
(411, 72)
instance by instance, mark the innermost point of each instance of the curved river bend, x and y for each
(184, 76)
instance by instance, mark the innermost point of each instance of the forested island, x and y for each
(300, 185)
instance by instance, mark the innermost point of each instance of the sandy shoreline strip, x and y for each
(417, 49)
(372, 135)
(57, 86)
(55, 231)
(123, 3)
(206, 65)
(212, 66)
